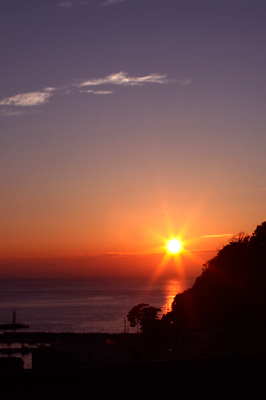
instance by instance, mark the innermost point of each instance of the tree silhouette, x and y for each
(259, 235)
(143, 315)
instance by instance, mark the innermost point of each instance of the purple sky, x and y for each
(121, 121)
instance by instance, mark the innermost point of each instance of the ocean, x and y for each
(83, 305)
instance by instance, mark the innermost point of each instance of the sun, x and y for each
(174, 246)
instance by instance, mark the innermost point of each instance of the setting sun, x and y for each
(174, 246)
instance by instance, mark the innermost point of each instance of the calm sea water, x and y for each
(82, 305)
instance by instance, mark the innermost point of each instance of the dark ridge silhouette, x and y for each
(231, 291)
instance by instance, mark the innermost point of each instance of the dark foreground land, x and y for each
(13, 326)
(229, 377)
(222, 376)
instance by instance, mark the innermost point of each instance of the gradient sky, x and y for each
(123, 122)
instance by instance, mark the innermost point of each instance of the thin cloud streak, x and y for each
(97, 91)
(15, 112)
(70, 4)
(122, 78)
(110, 2)
(217, 236)
(49, 89)
(10, 113)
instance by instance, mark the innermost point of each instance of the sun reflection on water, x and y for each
(172, 288)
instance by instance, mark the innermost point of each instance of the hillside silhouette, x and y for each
(231, 291)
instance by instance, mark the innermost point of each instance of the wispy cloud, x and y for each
(97, 91)
(122, 78)
(119, 79)
(217, 236)
(69, 4)
(186, 82)
(27, 99)
(66, 4)
(49, 89)
(10, 113)
(110, 2)
(15, 112)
